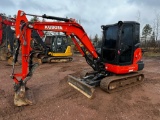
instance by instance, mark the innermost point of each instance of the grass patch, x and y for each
(151, 54)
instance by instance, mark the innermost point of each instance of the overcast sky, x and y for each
(91, 13)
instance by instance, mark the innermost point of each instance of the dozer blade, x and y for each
(119, 82)
(81, 86)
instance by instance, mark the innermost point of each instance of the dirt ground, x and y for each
(55, 100)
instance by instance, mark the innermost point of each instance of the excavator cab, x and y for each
(119, 42)
(121, 47)
(57, 43)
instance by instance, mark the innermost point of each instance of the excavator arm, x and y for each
(23, 35)
(67, 26)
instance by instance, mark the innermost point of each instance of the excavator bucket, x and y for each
(23, 97)
(81, 86)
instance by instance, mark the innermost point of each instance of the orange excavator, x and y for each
(7, 35)
(116, 67)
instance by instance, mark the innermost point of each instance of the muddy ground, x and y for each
(55, 100)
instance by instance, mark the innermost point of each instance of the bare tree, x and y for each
(95, 40)
(152, 40)
(146, 33)
(14, 16)
(156, 29)
(138, 16)
(34, 18)
(9, 16)
(90, 37)
(157, 25)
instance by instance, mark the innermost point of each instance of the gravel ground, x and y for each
(55, 100)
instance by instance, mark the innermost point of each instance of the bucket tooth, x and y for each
(81, 86)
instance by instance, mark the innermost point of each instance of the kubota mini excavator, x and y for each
(115, 68)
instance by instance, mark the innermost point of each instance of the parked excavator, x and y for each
(117, 67)
(7, 35)
(57, 47)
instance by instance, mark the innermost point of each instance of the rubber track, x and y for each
(127, 81)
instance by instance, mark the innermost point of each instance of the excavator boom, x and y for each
(23, 35)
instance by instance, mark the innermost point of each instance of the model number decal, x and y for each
(47, 27)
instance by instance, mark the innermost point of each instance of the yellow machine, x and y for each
(59, 49)
(67, 53)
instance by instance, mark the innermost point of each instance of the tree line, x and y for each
(149, 38)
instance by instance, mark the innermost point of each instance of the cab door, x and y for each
(126, 44)
(109, 44)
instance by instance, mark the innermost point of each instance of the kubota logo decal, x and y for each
(47, 27)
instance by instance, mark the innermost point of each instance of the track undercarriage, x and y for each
(110, 83)
(119, 82)
(41, 58)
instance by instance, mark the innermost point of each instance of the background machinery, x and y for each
(116, 67)
(57, 47)
(7, 36)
